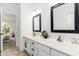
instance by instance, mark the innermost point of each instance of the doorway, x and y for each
(8, 28)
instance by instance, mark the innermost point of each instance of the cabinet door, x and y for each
(27, 44)
(56, 53)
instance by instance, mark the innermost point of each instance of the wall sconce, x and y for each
(36, 12)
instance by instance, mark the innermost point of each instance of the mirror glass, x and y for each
(37, 23)
(63, 17)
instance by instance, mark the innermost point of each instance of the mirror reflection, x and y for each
(63, 17)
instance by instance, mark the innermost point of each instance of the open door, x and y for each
(1, 34)
(0, 31)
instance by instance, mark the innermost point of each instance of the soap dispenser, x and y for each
(59, 39)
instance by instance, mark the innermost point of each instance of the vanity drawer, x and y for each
(33, 43)
(33, 54)
(57, 53)
(34, 50)
(42, 53)
(44, 48)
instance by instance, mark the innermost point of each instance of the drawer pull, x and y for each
(33, 43)
(33, 49)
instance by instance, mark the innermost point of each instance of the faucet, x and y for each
(59, 39)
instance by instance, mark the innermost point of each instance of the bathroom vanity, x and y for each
(38, 46)
(64, 19)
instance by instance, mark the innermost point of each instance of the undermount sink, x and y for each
(69, 41)
(64, 40)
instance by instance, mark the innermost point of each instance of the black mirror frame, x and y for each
(39, 23)
(76, 19)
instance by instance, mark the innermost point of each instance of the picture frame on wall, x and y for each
(37, 23)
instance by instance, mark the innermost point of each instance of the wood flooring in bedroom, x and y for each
(10, 49)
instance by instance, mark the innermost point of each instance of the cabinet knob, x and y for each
(32, 54)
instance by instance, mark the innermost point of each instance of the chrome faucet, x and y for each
(59, 39)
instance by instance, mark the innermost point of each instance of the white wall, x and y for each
(26, 19)
(26, 16)
(9, 7)
(18, 26)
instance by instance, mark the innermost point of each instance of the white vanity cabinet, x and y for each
(27, 44)
(57, 53)
(37, 48)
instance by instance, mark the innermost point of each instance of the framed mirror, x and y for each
(37, 23)
(63, 17)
